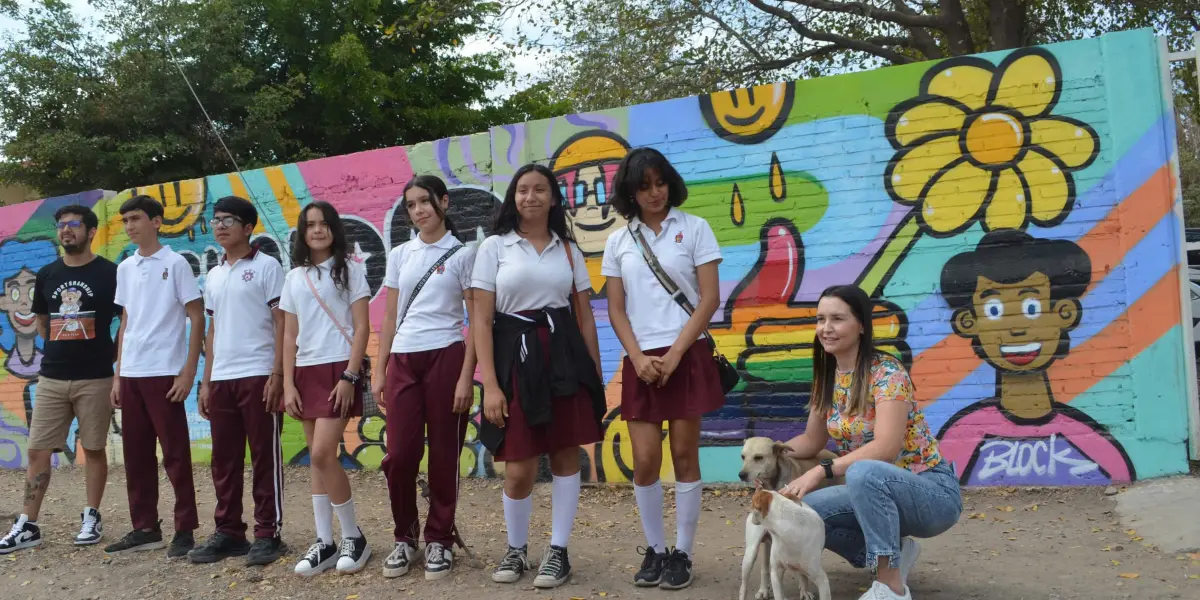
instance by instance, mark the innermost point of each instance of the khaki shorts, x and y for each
(56, 403)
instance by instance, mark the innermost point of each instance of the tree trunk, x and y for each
(1006, 24)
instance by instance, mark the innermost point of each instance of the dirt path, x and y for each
(1010, 545)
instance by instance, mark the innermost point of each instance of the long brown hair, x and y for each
(825, 364)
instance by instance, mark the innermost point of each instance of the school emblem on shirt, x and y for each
(679, 238)
(164, 274)
(441, 269)
(248, 275)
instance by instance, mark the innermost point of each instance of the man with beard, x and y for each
(74, 304)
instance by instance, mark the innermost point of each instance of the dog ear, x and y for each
(780, 448)
(761, 502)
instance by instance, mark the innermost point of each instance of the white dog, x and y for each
(798, 540)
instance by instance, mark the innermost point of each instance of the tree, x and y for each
(104, 106)
(647, 50)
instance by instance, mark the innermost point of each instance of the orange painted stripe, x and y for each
(949, 361)
(1145, 322)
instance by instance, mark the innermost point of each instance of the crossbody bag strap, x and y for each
(665, 280)
(420, 284)
(312, 288)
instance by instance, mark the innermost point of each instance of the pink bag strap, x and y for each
(312, 288)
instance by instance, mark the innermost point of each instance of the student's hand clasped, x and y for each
(342, 397)
(666, 365)
(647, 368)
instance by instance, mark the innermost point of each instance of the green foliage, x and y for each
(104, 106)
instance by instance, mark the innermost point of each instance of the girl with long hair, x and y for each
(539, 359)
(898, 485)
(668, 373)
(326, 327)
(426, 385)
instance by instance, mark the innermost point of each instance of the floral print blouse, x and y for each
(889, 383)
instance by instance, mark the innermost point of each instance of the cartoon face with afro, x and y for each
(1017, 298)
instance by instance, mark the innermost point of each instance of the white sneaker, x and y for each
(24, 534)
(355, 554)
(397, 563)
(880, 591)
(91, 530)
(439, 561)
(910, 551)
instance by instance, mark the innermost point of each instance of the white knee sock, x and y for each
(650, 505)
(564, 501)
(687, 514)
(346, 518)
(516, 519)
(323, 513)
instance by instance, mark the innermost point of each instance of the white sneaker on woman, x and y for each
(880, 591)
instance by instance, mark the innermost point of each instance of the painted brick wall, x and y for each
(1012, 214)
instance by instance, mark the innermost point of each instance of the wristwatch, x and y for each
(827, 464)
(351, 377)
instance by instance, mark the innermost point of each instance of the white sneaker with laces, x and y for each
(910, 551)
(396, 564)
(24, 534)
(880, 591)
(91, 530)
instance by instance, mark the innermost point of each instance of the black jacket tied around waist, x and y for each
(521, 364)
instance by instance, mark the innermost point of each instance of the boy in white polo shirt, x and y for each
(156, 364)
(242, 388)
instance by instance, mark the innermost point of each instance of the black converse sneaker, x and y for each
(555, 569)
(91, 530)
(217, 547)
(439, 560)
(265, 551)
(652, 568)
(138, 540)
(319, 558)
(677, 573)
(512, 566)
(354, 554)
(22, 535)
(396, 563)
(181, 545)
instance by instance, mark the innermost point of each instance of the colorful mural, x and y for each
(1011, 214)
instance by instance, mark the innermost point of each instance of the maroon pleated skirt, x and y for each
(693, 390)
(316, 382)
(573, 422)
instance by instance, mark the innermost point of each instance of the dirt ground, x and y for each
(1010, 545)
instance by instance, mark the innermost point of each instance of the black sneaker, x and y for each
(354, 554)
(90, 529)
(181, 544)
(652, 568)
(555, 569)
(320, 557)
(218, 546)
(439, 560)
(22, 535)
(512, 566)
(677, 572)
(138, 540)
(265, 551)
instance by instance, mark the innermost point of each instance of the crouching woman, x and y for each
(898, 486)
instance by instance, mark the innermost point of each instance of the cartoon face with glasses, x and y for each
(585, 166)
(19, 264)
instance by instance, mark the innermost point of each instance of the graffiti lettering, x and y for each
(1020, 458)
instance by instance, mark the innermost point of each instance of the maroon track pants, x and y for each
(237, 412)
(146, 417)
(420, 401)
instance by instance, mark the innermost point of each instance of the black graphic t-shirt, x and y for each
(79, 302)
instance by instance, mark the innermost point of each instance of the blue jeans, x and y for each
(881, 503)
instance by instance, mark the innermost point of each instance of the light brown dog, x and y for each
(771, 464)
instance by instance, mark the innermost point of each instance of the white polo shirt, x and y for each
(685, 242)
(319, 342)
(435, 318)
(153, 290)
(524, 280)
(238, 298)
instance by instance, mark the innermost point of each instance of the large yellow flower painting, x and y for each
(979, 143)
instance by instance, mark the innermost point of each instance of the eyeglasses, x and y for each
(224, 221)
(66, 224)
